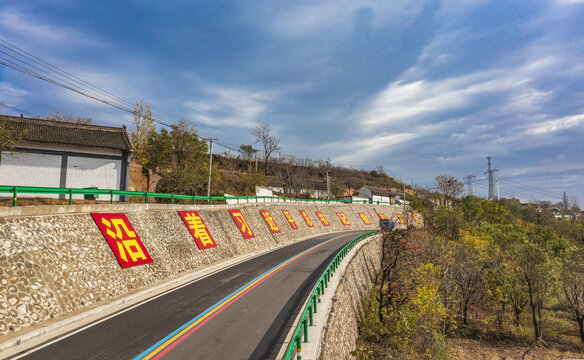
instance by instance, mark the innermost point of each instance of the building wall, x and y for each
(46, 166)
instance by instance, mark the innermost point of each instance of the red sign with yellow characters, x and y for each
(416, 219)
(306, 218)
(343, 218)
(290, 220)
(122, 239)
(242, 225)
(382, 216)
(270, 220)
(401, 218)
(365, 219)
(323, 220)
(198, 229)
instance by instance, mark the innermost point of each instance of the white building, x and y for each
(66, 155)
(375, 194)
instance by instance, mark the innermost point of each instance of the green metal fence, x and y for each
(15, 190)
(301, 334)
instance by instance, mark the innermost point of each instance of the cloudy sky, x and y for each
(421, 88)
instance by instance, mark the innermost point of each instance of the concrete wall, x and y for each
(54, 260)
(341, 329)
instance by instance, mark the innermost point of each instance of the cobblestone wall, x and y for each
(51, 265)
(341, 329)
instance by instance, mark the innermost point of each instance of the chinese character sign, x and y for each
(122, 239)
(290, 220)
(416, 218)
(198, 229)
(323, 220)
(401, 218)
(364, 218)
(270, 221)
(306, 218)
(242, 225)
(382, 216)
(343, 218)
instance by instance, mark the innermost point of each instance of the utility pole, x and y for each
(469, 181)
(490, 175)
(328, 186)
(256, 160)
(210, 163)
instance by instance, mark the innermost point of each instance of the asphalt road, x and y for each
(242, 312)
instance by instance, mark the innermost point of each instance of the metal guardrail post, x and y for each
(305, 329)
(310, 315)
(14, 196)
(111, 197)
(70, 196)
(298, 348)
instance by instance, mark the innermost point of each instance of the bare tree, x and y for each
(263, 134)
(60, 116)
(449, 186)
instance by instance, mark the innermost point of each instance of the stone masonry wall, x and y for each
(341, 330)
(54, 264)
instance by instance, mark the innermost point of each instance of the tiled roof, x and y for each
(381, 191)
(65, 133)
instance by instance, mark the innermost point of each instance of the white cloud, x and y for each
(11, 95)
(564, 123)
(230, 106)
(299, 19)
(367, 148)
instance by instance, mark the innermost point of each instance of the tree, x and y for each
(247, 152)
(181, 157)
(263, 134)
(60, 116)
(571, 293)
(9, 137)
(448, 186)
(143, 128)
(565, 203)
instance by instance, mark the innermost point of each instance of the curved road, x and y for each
(242, 312)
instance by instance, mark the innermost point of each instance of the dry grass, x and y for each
(46, 201)
(478, 350)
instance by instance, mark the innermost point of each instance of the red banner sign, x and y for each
(323, 220)
(290, 220)
(198, 229)
(401, 218)
(270, 220)
(364, 218)
(122, 239)
(382, 216)
(242, 225)
(343, 218)
(416, 219)
(306, 218)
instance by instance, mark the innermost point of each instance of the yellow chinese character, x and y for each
(119, 225)
(132, 248)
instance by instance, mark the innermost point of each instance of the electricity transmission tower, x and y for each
(469, 181)
(490, 175)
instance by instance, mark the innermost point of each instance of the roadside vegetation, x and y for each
(482, 280)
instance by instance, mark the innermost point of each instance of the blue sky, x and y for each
(421, 88)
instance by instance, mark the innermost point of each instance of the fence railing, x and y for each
(301, 334)
(94, 192)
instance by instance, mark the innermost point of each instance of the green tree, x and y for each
(9, 136)
(571, 291)
(181, 157)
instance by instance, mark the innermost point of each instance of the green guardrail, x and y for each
(94, 192)
(301, 334)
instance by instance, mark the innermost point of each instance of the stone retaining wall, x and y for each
(341, 329)
(54, 264)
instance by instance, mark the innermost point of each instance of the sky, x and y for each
(421, 88)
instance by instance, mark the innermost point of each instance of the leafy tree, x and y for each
(247, 152)
(9, 137)
(263, 134)
(60, 116)
(181, 157)
(143, 129)
(571, 292)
